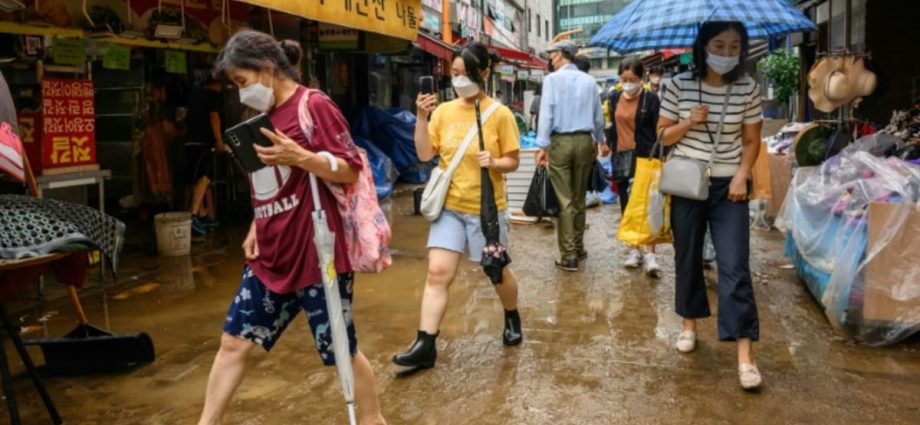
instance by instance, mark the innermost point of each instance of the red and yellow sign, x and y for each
(68, 123)
(395, 18)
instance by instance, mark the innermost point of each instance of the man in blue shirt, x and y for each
(570, 128)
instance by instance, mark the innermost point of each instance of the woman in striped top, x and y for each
(690, 116)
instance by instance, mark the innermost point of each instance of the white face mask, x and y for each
(631, 88)
(258, 96)
(655, 80)
(722, 64)
(464, 86)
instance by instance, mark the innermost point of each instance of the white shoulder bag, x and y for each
(435, 193)
(688, 177)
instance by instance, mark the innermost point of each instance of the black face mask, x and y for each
(551, 67)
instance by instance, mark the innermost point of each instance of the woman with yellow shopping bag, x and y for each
(634, 115)
(647, 219)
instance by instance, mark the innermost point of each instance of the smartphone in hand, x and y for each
(242, 138)
(426, 84)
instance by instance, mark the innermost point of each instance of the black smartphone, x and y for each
(244, 136)
(426, 85)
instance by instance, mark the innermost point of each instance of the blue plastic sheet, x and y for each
(529, 140)
(608, 196)
(385, 174)
(393, 132)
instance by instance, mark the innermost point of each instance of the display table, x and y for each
(84, 178)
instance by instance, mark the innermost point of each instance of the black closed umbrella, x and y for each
(495, 255)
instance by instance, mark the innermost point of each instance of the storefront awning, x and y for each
(397, 18)
(438, 48)
(518, 57)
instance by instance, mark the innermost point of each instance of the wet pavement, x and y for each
(597, 350)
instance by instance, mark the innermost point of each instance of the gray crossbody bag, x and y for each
(688, 177)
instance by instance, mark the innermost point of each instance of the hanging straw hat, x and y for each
(862, 81)
(817, 83)
(829, 84)
(837, 81)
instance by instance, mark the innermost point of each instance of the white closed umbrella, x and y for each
(324, 240)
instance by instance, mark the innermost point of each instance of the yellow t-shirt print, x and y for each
(450, 123)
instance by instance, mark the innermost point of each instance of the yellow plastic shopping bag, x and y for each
(647, 219)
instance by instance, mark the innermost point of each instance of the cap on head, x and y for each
(568, 47)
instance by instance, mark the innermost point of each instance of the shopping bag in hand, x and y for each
(598, 181)
(647, 216)
(541, 198)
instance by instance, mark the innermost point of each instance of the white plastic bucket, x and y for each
(174, 233)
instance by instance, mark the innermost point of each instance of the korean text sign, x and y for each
(396, 18)
(68, 123)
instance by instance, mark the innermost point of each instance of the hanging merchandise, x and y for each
(905, 125)
(156, 165)
(852, 229)
(835, 81)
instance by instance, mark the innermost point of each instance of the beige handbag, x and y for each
(436, 190)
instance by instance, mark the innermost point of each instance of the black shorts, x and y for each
(200, 162)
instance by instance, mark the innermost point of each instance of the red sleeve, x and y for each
(331, 132)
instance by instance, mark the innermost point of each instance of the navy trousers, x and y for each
(731, 236)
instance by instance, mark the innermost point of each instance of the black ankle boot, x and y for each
(422, 354)
(513, 334)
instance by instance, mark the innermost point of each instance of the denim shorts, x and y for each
(455, 231)
(261, 316)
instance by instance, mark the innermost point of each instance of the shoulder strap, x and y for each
(722, 114)
(642, 107)
(458, 156)
(314, 187)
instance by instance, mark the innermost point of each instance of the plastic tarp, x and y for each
(393, 132)
(852, 228)
(529, 140)
(385, 174)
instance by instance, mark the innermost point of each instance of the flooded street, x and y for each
(598, 346)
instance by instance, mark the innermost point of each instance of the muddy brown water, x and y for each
(597, 350)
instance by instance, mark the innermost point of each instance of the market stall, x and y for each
(852, 212)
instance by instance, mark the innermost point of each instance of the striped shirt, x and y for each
(744, 107)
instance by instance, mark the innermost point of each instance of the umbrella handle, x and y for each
(482, 145)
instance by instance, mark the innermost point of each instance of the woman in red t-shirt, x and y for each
(282, 274)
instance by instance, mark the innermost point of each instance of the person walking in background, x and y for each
(655, 82)
(716, 94)
(571, 127)
(203, 139)
(282, 273)
(535, 108)
(458, 229)
(632, 135)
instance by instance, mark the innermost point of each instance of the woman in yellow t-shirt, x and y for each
(458, 228)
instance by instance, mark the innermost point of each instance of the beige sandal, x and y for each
(686, 342)
(749, 376)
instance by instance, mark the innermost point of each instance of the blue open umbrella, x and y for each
(662, 24)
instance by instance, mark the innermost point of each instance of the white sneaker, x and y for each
(749, 376)
(686, 342)
(652, 269)
(634, 260)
